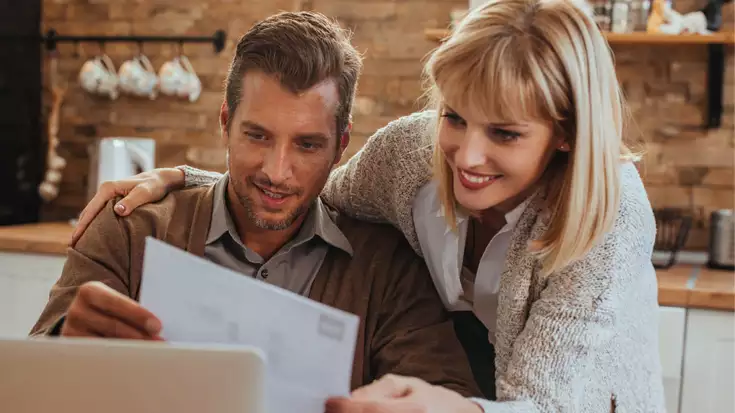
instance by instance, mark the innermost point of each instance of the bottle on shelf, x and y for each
(620, 16)
(602, 10)
(638, 15)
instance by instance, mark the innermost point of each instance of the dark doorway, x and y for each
(21, 155)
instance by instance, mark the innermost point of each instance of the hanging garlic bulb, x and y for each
(55, 164)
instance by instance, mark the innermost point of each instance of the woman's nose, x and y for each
(472, 151)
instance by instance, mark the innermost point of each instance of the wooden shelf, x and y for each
(716, 59)
(438, 35)
(670, 39)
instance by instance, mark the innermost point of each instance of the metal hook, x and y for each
(140, 47)
(219, 40)
(181, 47)
(76, 49)
(102, 47)
(50, 40)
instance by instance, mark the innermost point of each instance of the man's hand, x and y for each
(397, 394)
(100, 311)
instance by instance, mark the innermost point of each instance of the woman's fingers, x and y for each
(389, 386)
(144, 188)
(106, 191)
(345, 405)
(400, 394)
(140, 194)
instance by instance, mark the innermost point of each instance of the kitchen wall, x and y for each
(686, 166)
(390, 33)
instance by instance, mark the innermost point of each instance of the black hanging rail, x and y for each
(715, 85)
(51, 39)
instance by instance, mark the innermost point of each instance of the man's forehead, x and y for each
(266, 95)
(258, 83)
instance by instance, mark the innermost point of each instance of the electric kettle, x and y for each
(112, 159)
(722, 240)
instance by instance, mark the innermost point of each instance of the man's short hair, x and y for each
(301, 49)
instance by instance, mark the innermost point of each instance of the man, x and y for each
(285, 122)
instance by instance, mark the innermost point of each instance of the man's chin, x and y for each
(273, 222)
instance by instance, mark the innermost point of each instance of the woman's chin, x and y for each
(475, 202)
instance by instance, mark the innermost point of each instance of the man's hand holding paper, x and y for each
(100, 311)
(309, 347)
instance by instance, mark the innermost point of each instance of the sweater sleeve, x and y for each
(198, 177)
(568, 327)
(580, 316)
(380, 181)
(101, 254)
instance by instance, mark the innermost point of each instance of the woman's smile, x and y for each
(473, 181)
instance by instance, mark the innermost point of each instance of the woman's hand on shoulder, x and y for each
(137, 190)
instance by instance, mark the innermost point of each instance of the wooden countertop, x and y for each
(40, 238)
(680, 286)
(694, 286)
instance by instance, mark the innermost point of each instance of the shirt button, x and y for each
(264, 273)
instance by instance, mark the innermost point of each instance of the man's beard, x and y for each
(259, 222)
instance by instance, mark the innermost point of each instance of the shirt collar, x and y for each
(325, 227)
(512, 217)
(221, 221)
(318, 222)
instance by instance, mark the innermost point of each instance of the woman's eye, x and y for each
(454, 119)
(505, 135)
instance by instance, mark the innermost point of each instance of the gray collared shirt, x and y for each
(294, 266)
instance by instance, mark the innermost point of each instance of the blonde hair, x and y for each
(512, 60)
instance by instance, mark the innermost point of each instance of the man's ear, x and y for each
(224, 117)
(344, 142)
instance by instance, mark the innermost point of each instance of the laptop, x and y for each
(117, 376)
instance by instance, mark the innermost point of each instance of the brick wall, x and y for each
(389, 33)
(685, 165)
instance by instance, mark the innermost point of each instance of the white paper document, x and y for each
(309, 346)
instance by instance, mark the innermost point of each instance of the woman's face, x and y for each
(495, 165)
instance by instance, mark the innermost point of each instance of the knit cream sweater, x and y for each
(584, 339)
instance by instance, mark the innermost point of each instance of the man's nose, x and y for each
(277, 164)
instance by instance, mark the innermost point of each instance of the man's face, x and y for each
(281, 148)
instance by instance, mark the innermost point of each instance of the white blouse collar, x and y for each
(511, 217)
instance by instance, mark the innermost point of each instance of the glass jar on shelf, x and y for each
(620, 16)
(638, 15)
(602, 10)
(643, 13)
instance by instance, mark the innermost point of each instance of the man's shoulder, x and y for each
(186, 199)
(178, 208)
(382, 255)
(374, 238)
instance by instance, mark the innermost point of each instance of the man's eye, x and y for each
(255, 136)
(309, 146)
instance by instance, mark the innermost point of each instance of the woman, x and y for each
(521, 195)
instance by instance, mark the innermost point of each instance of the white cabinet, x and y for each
(672, 326)
(25, 281)
(709, 363)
